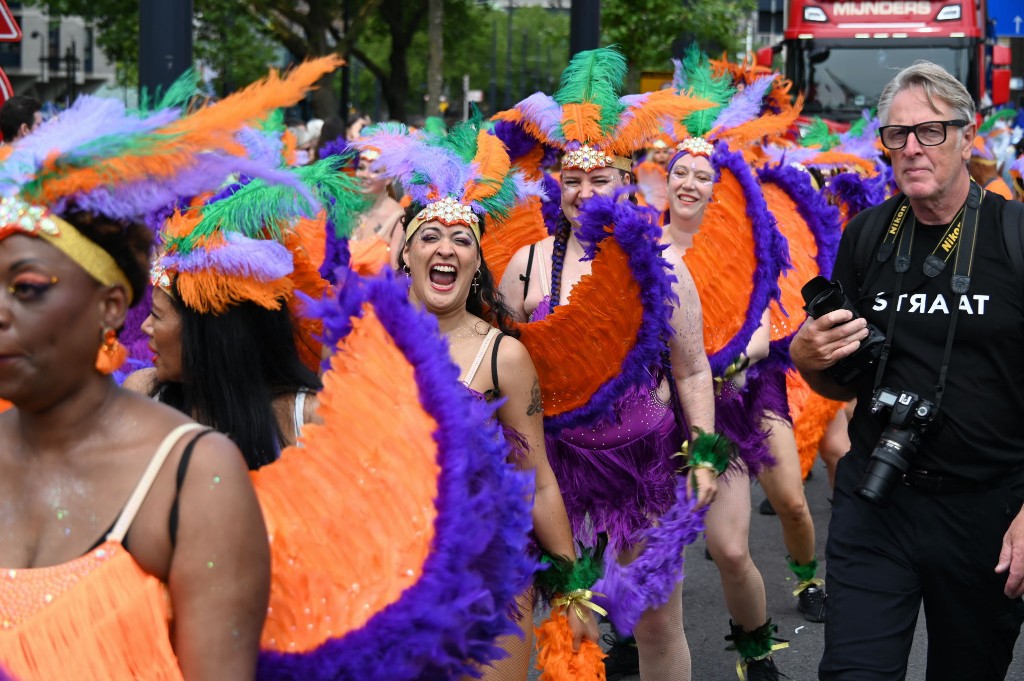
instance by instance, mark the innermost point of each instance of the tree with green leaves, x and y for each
(509, 53)
(714, 24)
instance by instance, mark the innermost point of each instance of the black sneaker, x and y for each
(811, 602)
(763, 670)
(623, 658)
(766, 507)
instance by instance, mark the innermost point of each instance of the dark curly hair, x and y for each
(128, 243)
(486, 303)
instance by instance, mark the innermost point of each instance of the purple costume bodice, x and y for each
(619, 474)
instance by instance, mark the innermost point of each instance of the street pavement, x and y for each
(707, 622)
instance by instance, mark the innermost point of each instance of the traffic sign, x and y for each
(1009, 17)
(10, 32)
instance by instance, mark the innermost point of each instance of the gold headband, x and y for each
(587, 158)
(19, 217)
(447, 211)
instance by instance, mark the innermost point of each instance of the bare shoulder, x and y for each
(141, 381)
(518, 261)
(512, 353)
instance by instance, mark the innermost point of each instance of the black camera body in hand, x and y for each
(909, 418)
(822, 296)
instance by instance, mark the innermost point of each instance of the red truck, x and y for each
(841, 53)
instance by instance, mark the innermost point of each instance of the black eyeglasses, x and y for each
(928, 134)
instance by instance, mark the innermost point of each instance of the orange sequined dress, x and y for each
(99, 617)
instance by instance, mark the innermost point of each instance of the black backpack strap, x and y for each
(1013, 237)
(867, 240)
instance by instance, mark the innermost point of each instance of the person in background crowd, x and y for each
(19, 116)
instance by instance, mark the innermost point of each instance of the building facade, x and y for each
(57, 57)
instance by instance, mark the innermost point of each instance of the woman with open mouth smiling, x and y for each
(450, 279)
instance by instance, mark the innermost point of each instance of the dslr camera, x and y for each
(822, 296)
(909, 418)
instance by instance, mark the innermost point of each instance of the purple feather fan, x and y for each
(771, 255)
(822, 219)
(637, 232)
(648, 582)
(857, 192)
(446, 625)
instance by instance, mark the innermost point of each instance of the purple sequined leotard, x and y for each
(618, 476)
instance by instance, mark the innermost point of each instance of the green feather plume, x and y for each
(178, 95)
(818, 135)
(596, 76)
(461, 139)
(257, 209)
(701, 82)
(990, 122)
(274, 122)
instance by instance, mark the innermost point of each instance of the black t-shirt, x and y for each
(981, 431)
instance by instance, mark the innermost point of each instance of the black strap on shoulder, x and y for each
(866, 245)
(494, 364)
(186, 457)
(525, 278)
(1013, 237)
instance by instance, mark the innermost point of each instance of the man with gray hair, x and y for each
(928, 502)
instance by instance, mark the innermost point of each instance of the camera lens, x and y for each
(886, 466)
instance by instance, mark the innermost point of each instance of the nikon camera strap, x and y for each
(963, 228)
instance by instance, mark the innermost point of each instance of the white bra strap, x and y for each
(299, 413)
(124, 521)
(545, 289)
(471, 374)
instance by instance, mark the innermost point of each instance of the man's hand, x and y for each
(817, 345)
(704, 482)
(1011, 558)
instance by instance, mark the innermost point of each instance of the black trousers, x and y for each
(941, 548)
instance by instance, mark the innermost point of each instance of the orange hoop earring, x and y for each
(111, 354)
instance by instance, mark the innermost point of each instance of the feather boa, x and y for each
(446, 623)
(648, 581)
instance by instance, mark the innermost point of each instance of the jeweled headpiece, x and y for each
(696, 146)
(589, 121)
(458, 178)
(19, 217)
